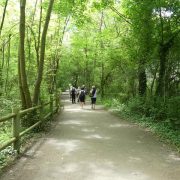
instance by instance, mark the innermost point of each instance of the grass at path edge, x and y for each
(161, 129)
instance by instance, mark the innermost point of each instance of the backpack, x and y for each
(73, 91)
(82, 93)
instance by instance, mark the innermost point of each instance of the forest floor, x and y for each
(90, 144)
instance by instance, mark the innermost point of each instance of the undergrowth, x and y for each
(132, 111)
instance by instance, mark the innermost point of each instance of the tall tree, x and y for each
(42, 54)
(168, 31)
(141, 16)
(3, 17)
(22, 60)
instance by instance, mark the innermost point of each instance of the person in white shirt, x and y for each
(93, 93)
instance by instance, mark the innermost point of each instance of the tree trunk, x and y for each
(22, 74)
(42, 54)
(163, 53)
(1, 83)
(4, 14)
(161, 81)
(23, 100)
(8, 60)
(3, 55)
(39, 34)
(142, 78)
(29, 51)
(57, 52)
(102, 80)
(154, 79)
(1, 69)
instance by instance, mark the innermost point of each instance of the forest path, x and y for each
(96, 145)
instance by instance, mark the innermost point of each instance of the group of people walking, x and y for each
(79, 94)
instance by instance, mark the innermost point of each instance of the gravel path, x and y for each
(96, 145)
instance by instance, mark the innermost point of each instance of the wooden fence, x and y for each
(16, 115)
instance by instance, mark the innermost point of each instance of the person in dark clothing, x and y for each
(73, 95)
(82, 95)
(85, 90)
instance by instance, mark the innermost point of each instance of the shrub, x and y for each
(173, 111)
(136, 105)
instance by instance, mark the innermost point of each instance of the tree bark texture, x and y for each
(163, 53)
(23, 79)
(23, 100)
(142, 78)
(4, 14)
(42, 54)
(7, 65)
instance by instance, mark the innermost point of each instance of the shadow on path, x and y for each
(96, 145)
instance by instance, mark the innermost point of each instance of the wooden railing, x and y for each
(16, 115)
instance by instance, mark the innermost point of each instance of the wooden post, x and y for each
(16, 124)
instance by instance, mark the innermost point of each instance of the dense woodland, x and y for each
(129, 49)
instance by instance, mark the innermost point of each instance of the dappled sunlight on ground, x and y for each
(67, 146)
(88, 130)
(120, 125)
(96, 136)
(138, 141)
(96, 145)
(73, 122)
(173, 156)
(134, 159)
(70, 168)
(85, 110)
(105, 170)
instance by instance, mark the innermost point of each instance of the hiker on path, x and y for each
(93, 94)
(82, 95)
(85, 90)
(70, 89)
(77, 93)
(73, 95)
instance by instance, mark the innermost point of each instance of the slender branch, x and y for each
(64, 29)
(121, 15)
(4, 13)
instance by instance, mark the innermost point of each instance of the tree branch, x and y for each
(4, 13)
(121, 15)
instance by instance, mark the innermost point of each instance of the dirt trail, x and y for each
(96, 145)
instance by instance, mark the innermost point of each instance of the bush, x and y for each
(166, 111)
(6, 105)
(161, 117)
(136, 105)
(173, 111)
(115, 104)
(154, 107)
(5, 155)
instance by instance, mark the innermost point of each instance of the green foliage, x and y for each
(100, 5)
(5, 155)
(173, 111)
(90, 43)
(5, 132)
(63, 7)
(114, 104)
(135, 110)
(2, 3)
(7, 104)
(158, 109)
